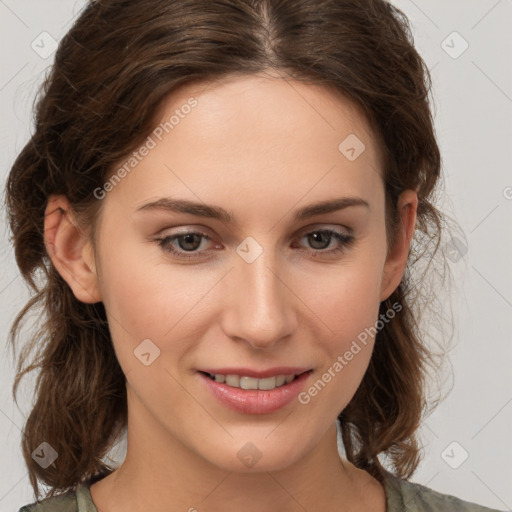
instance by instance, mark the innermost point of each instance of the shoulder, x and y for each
(408, 496)
(63, 503)
(78, 500)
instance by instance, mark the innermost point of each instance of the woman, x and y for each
(216, 212)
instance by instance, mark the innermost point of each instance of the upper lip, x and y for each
(257, 374)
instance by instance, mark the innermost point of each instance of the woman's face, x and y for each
(248, 239)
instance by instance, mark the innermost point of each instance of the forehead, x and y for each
(266, 106)
(240, 136)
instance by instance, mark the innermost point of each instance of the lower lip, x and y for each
(255, 401)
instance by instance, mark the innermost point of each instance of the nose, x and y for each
(259, 304)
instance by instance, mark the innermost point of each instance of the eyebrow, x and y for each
(216, 212)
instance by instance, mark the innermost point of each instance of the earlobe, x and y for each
(70, 250)
(396, 259)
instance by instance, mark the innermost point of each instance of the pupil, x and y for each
(316, 238)
(190, 242)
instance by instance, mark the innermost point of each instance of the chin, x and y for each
(260, 455)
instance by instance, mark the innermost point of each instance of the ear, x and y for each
(70, 250)
(398, 253)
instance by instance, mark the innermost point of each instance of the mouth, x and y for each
(253, 383)
(249, 391)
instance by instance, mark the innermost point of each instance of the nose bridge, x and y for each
(260, 306)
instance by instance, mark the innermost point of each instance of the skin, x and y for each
(260, 147)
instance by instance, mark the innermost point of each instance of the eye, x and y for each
(184, 245)
(327, 241)
(193, 244)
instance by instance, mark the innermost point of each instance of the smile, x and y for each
(250, 391)
(245, 382)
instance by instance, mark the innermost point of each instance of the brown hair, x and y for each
(111, 72)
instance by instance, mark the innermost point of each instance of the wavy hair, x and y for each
(112, 70)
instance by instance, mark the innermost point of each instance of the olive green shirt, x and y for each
(401, 496)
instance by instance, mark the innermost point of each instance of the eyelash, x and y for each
(345, 241)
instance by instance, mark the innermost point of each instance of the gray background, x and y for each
(473, 112)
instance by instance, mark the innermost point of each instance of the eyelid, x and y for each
(344, 240)
(192, 229)
(184, 230)
(206, 232)
(345, 230)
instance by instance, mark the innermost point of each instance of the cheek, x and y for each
(350, 309)
(146, 298)
(347, 298)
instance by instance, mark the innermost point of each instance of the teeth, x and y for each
(248, 383)
(233, 381)
(280, 380)
(243, 382)
(266, 384)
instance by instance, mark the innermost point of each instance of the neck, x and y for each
(160, 474)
